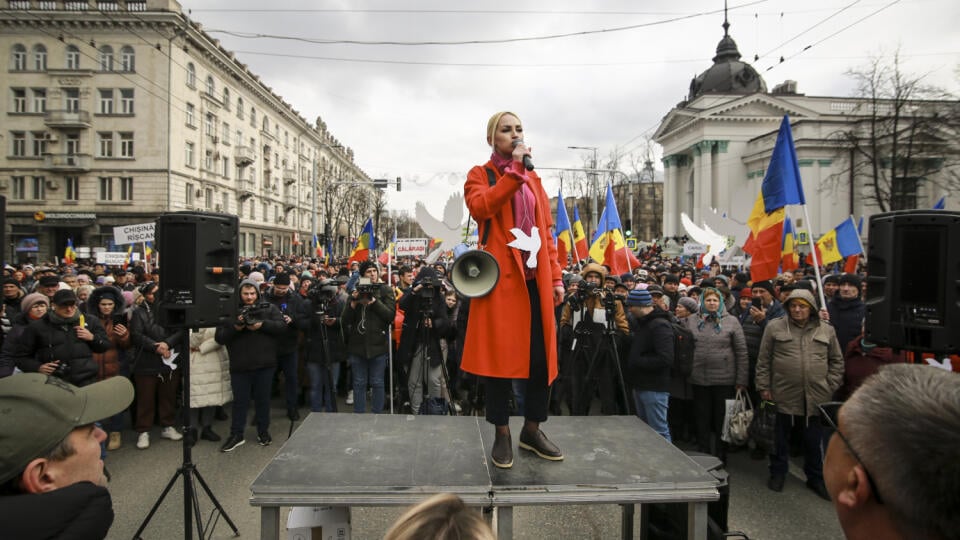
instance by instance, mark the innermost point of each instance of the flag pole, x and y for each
(816, 262)
(390, 326)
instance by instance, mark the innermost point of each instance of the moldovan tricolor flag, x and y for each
(129, 257)
(365, 243)
(842, 241)
(147, 251)
(316, 246)
(789, 259)
(387, 254)
(781, 186)
(69, 255)
(609, 246)
(563, 232)
(579, 237)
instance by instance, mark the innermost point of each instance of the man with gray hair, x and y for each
(898, 436)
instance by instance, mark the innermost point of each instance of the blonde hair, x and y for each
(441, 517)
(495, 121)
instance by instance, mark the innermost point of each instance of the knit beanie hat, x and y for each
(638, 297)
(32, 299)
(689, 303)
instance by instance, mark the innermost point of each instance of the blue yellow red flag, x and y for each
(563, 233)
(365, 243)
(579, 237)
(69, 255)
(609, 246)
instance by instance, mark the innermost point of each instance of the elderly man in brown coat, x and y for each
(800, 366)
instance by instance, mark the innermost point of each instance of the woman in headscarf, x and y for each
(720, 366)
(511, 331)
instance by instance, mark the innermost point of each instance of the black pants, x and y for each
(709, 404)
(498, 390)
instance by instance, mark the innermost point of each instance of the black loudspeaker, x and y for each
(198, 269)
(913, 281)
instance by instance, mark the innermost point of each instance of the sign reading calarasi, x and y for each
(132, 234)
(411, 247)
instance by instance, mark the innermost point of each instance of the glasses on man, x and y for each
(829, 412)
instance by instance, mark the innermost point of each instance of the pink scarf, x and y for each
(524, 202)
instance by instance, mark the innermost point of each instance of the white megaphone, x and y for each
(474, 272)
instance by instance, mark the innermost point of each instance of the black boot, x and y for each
(208, 434)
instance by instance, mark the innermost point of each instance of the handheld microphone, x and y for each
(527, 162)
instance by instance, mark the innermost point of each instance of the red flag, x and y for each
(850, 266)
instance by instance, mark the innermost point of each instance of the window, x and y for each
(105, 58)
(127, 58)
(18, 59)
(239, 138)
(126, 100)
(19, 187)
(286, 139)
(225, 133)
(19, 100)
(253, 117)
(39, 188)
(210, 125)
(904, 193)
(19, 143)
(126, 188)
(188, 194)
(266, 123)
(73, 144)
(208, 160)
(226, 98)
(190, 117)
(105, 144)
(240, 108)
(106, 101)
(225, 167)
(208, 198)
(39, 100)
(253, 210)
(73, 57)
(264, 212)
(39, 58)
(225, 202)
(191, 76)
(71, 99)
(105, 193)
(39, 143)
(211, 87)
(73, 188)
(126, 144)
(189, 157)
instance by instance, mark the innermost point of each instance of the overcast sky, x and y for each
(420, 111)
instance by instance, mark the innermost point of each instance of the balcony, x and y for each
(289, 176)
(67, 119)
(66, 163)
(243, 155)
(247, 189)
(290, 200)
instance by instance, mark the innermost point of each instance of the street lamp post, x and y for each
(596, 189)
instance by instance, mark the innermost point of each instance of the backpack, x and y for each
(683, 346)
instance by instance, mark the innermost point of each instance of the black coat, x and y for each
(290, 305)
(315, 330)
(45, 341)
(145, 334)
(253, 349)
(846, 317)
(80, 511)
(413, 318)
(651, 353)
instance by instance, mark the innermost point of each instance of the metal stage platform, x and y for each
(398, 460)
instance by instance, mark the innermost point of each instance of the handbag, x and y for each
(737, 420)
(764, 424)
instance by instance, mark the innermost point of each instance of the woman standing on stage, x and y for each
(511, 332)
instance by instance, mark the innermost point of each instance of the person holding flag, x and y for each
(609, 247)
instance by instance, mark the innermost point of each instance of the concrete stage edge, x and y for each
(398, 460)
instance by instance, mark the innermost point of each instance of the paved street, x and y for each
(140, 475)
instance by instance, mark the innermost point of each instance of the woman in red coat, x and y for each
(511, 332)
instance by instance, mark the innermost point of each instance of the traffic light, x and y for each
(398, 183)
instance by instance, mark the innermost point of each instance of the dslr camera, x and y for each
(253, 313)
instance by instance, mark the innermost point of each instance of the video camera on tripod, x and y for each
(320, 294)
(584, 291)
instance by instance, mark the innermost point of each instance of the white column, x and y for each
(669, 194)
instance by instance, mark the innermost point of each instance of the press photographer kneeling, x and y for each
(425, 322)
(591, 325)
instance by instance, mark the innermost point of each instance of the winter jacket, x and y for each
(44, 341)
(846, 317)
(410, 338)
(81, 511)
(719, 358)
(209, 370)
(289, 305)
(801, 366)
(146, 333)
(315, 330)
(651, 353)
(250, 349)
(365, 326)
(108, 362)
(860, 363)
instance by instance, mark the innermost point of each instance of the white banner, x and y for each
(133, 234)
(693, 248)
(411, 247)
(115, 258)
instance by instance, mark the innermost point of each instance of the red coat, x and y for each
(498, 329)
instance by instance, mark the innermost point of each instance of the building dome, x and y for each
(727, 75)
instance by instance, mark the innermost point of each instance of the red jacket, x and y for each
(498, 331)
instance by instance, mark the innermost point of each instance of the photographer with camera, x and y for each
(288, 302)
(592, 322)
(325, 348)
(62, 342)
(251, 342)
(425, 322)
(366, 319)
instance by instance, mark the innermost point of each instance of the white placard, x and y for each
(411, 247)
(132, 234)
(692, 248)
(115, 258)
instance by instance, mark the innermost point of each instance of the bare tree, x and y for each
(903, 134)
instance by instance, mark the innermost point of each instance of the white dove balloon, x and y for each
(715, 243)
(449, 231)
(527, 243)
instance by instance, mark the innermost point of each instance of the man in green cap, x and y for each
(52, 481)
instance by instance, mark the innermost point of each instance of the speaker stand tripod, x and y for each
(188, 470)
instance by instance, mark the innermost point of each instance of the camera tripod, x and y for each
(188, 470)
(423, 374)
(328, 397)
(597, 351)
